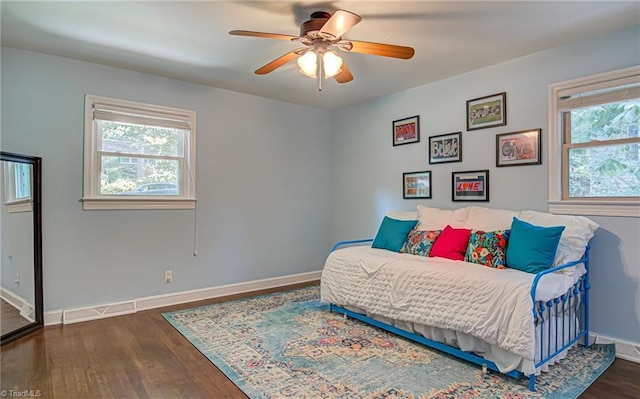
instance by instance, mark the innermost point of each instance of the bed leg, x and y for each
(532, 382)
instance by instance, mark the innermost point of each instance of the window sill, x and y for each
(19, 206)
(94, 204)
(595, 208)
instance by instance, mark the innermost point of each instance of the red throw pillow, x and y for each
(451, 244)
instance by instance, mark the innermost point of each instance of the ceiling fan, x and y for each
(320, 35)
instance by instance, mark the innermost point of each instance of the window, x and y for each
(138, 156)
(17, 189)
(595, 145)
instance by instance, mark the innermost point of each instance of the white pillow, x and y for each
(575, 237)
(489, 219)
(403, 215)
(438, 219)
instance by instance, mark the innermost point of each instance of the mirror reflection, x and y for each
(20, 236)
(17, 282)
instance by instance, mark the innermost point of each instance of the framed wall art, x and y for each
(470, 186)
(406, 131)
(445, 148)
(487, 111)
(416, 185)
(519, 148)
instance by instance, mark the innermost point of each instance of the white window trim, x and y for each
(92, 200)
(18, 206)
(14, 205)
(594, 207)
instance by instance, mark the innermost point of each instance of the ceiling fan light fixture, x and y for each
(332, 64)
(308, 64)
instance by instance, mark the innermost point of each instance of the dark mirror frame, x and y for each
(36, 203)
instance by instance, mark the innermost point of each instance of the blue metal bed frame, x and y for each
(574, 303)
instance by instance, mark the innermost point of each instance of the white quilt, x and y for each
(491, 304)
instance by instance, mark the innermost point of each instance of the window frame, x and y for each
(11, 201)
(558, 153)
(92, 198)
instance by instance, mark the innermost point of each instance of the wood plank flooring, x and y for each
(143, 356)
(10, 318)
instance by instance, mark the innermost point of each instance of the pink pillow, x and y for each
(451, 244)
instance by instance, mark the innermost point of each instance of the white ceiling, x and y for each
(190, 41)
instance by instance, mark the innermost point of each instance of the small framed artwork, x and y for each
(445, 148)
(470, 186)
(406, 131)
(519, 148)
(416, 185)
(487, 111)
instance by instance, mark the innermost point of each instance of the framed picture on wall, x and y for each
(406, 131)
(519, 148)
(470, 186)
(416, 185)
(485, 112)
(445, 148)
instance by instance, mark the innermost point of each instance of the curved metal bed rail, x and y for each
(554, 318)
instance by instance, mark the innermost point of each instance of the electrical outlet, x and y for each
(168, 276)
(17, 280)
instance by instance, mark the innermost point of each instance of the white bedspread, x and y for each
(491, 304)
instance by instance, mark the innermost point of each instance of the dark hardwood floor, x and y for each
(142, 356)
(10, 318)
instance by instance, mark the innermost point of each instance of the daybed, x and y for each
(518, 316)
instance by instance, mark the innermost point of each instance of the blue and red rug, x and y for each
(288, 345)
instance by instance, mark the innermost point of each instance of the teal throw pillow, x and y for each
(392, 233)
(532, 248)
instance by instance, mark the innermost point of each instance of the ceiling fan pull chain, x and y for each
(320, 69)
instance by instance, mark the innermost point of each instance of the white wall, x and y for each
(263, 185)
(367, 178)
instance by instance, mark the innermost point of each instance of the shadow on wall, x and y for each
(607, 285)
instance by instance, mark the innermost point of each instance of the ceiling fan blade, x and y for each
(345, 75)
(262, 34)
(277, 63)
(340, 22)
(385, 50)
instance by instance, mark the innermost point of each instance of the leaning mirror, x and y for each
(21, 234)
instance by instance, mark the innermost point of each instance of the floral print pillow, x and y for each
(488, 248)
(419, 242)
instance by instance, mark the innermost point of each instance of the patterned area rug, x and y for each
(288, 345)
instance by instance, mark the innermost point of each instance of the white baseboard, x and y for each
(77, 315)
(157, 301)
(53, 317)
(11, 298)
(22, 305)
(624, 349)
(593, 338)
